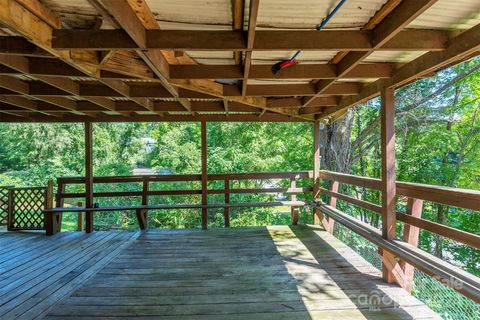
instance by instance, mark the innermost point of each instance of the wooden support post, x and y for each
(88, 177)
(410, 235)
(226, 210)
(317, 215)
(333, 203)
(293, 197)
(52, 220)
(388, 178)
(204, 176)
(59, 201)
(145, 187)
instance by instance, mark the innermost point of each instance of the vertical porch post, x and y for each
(88, 177)
(388, 179)
(318, 216)
(226, 210)
(204, 176)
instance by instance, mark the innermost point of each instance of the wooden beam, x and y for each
(20, 46)
(384, 32)
(301, 71)
(88, 176)
(70, 117)
(388, 176)
(42, 12)
(127, 14)
(66, 87)
(123, 65)
(183, 40)
(252, 24)
(203, 130)
(317, 214)
(22, 21)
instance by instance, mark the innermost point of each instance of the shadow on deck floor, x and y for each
(249, 273)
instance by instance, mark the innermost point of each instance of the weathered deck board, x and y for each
(249, 273)
(37, 271)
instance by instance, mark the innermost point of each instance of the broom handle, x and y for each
(321, 25)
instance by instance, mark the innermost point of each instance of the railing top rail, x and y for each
(191, 177)
(457, 197)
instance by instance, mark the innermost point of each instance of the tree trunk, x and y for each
(335, 146)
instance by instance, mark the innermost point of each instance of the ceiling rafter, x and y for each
(35, 29)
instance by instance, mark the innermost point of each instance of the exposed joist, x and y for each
(22, 21)
(20, 46)
(54, 86)
(268, 117)
(129, 20)
(124, 66)
(22, 65)
(181, 40)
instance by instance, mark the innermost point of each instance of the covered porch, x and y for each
(106, 61)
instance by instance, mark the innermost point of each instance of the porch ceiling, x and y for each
(165, 60)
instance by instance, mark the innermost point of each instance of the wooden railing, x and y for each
(146, 192)
(406, 250)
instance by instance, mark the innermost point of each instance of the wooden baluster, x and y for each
(59, 201)
(88, 177)
(10, 209)
(334, 185)
(143, 213)
(317, 215)
(293, 197)
(204, 176)
(226, 210)
(410, 235)
(53, 220)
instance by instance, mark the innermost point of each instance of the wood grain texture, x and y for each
(244, 273)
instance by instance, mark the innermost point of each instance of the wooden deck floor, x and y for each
(251, 273)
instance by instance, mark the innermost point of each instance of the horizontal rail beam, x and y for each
(190, 177)
(113, 194)
(456, 278)
(351, 40)
(456, 197)
(179, 206)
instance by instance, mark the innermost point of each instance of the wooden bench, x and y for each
(53, 216)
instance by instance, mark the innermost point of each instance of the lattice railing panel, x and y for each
(27, 208)
(4, 205)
